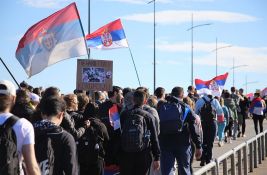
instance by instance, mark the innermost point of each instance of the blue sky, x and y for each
(239, 23)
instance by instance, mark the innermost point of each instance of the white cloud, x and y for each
(255, 58)
(182, 16)
(45, 3)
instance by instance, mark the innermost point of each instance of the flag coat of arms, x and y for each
(114, 117)
(57, 37)
(110, 36)
(213, 87)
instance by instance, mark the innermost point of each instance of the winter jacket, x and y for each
(229, 102)
(63, 145)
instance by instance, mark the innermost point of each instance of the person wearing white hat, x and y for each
(35, 100)
(24, 135)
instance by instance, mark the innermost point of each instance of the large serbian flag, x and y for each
(114, 117)
(213, 87)
(55, 38)
(110, 36)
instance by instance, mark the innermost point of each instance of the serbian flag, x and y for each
(212, 87)
(55, 38)
(114, 117)
(110, 36)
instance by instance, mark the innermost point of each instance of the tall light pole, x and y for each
(246, 83)
(154, 61)
(234, 67)
(89, 25)
(217, 54)
(192, 46)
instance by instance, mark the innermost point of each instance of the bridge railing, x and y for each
(240, 160)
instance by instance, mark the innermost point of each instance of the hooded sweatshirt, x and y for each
(63, 145)
(230, 103)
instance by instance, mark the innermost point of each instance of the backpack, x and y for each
(134, 135)
(90, 145)
(172, 117)
(44, 153)
(9, 161)
(207, 113)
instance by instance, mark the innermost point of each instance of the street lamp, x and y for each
(192, 47)
(217, 54)
(234, 67)
(246, 84)
(89, 20)
(154, 62)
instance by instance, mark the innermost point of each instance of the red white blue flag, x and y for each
(55, 38)
(114, 117)
(110, 36)
(213, 87)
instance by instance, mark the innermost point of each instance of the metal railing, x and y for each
(240, 160)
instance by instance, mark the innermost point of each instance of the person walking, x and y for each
(256, 109)
(177, 128)
(139, 139)
(209, 110)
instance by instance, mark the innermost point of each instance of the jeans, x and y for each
(182, 154)
(221, 127)
(256, 119)
(209, 134)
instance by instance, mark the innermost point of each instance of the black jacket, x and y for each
(112, 148)
(64, 147)
(149, 118)
(68, 124)
(173, 141)
(23, 110)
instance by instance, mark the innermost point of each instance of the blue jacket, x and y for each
(214, 103)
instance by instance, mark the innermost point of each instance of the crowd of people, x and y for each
(45, 132)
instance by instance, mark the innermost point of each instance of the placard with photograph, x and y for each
(94, 75)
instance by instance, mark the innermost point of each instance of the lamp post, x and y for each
(246, 83)
(234, 67)
(217, 54)
(89, 20)
(154, 60)
(192, 46)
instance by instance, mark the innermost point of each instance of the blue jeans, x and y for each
(182, 155)
(221, 127)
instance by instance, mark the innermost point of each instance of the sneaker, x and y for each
(202, 163)
(230, 140)
(239, 133)
(234, 138)
(225, 139)
(244, 135)
(219, 143)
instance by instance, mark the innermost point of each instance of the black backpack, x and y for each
(207, 112)
(44, 153)
(134, 135)
(172, 117)
(90, 145)
(9, 161)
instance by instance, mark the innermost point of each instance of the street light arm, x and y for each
(150, 1)
(221, 48)
(244, 65)
(200, 25)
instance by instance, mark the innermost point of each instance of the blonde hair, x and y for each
(190, 102)
(70, 101)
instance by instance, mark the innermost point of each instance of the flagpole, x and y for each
(89, 25)
(134, 65)
(88, 53)
(10, 72)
